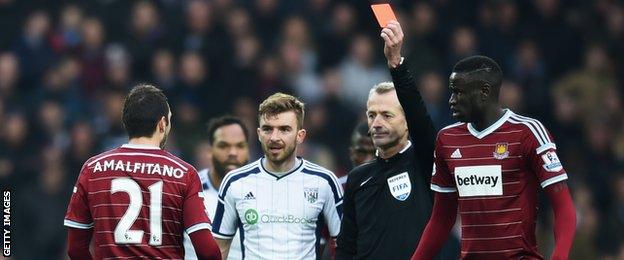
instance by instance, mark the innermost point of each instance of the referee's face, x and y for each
(279, 136)
(386, 120)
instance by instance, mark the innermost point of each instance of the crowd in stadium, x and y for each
(66, 66)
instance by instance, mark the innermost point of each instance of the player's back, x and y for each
(134, 198)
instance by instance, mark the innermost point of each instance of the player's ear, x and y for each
(162, 124)
(486, 91)
(301, 134)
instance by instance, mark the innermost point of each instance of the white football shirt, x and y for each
(211, 198)
(280, 215)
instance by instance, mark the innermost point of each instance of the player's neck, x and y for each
(215, 178)
(144, 141)
(280, 168)
(488, 117)
(392, 151)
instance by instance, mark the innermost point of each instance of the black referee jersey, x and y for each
(388, 202)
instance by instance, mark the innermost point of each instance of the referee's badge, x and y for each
(400, 186)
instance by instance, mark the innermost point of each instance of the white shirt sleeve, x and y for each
(226, 218)
(332, 210)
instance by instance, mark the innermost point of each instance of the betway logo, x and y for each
(477, 180)
(481, 180)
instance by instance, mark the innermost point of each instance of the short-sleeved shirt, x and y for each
(138, 200)
(279, 215)
(496, 174)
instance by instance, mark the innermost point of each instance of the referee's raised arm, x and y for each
(419, 123)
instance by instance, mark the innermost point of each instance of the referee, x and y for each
(387, 201)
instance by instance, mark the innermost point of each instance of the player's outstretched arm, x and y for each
(224, 246)
(78, 241)
(439, 226)
(565, 219)
(419, 122)
(205, 245)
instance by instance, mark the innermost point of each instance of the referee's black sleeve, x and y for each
(421, 130)
(346, 241)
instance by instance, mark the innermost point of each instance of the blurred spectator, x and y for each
(434, 93)
(528, 69)
(9, 79)
(270, 78)
(587, 85)
(118, 70)
(197, 86)
(82, 146)
(336, 35)
(204, 35)
(146, 34)
(246, 109)
(188, 124)
(511, 96)
(463, 44)
(50, 197)
(239, 23)
(33, 49)
(331, 119)
(298, 71)
(360, 72)
(498, 31)
(69, 36)
(164, 71)
(587, 219)
(548, 25)
(18, 162)
(202, 157)
(108, 126)
(92, 55)
(424, 43)
(50, 128)
(267, 17)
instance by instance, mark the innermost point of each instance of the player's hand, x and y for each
(393, 41)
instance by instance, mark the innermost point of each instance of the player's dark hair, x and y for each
(480, 68)
(144, 106)
(216, 123)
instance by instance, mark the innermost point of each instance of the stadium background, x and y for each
(65, 67)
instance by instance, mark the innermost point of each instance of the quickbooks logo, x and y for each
(251, 216)
(288, 219)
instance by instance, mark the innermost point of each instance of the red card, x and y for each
(384, 14)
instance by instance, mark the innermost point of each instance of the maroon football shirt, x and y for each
(138, 200)
(496, 174)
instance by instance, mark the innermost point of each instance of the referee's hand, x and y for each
(393, 41)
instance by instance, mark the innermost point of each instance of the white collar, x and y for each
(407, 146)
(491, 128)
(140, 146)
(298, 162)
